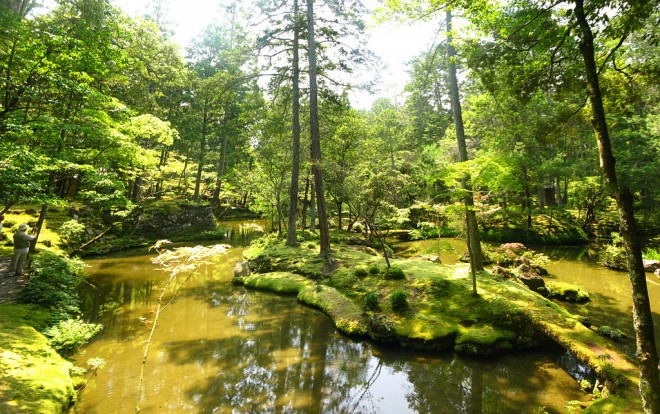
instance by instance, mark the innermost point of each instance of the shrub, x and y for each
(614, 257)
(360, 272)
(71, 235)
(53, 284)
(371, 301)
(399, 300)
(374, 270)
(67, 336)
(395, 273)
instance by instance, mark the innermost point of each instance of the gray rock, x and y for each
(651, 266)
(242, 269)
(530, 277)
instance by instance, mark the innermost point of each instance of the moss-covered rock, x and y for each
(279, 282)
(484, 340)
(169, 218)
(567, 292)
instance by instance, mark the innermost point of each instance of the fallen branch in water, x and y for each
(183, 260)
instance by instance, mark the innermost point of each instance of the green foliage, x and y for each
(374, 270)
(53, 284)
(536, 260)
(67, 336)
(611, 332)
(652, 253)
(371, 301)
(614, 255)
(399, 300)
(394, 273)
(71, 235)
(360, 272)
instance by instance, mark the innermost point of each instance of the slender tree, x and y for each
(647, 355)
(315, 135)
(295, 108)
(473, 239)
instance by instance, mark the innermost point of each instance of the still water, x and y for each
(219, 348)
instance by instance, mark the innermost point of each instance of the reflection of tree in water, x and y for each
(279, 361)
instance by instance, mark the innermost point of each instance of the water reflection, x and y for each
(222, 349)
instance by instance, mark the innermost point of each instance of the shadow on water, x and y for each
(222, 349)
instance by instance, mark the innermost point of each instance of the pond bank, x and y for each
(440, 314)
(34, 378)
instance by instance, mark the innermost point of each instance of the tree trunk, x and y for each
(312, 210)
(304, 212)
(649, 381)
(291, 239)
(223, 156)
(473, 239)
(202, 151)
(315, 135)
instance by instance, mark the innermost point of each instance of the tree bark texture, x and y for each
(474, 242)
(295, 112)
(202, 151)
(649, 384)
(315, 134)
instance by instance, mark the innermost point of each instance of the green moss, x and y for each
(441, 308)
(614, 405)
(345, 313)
(280, 282)
(483, 339)
(34, 378)
(428, 330)
(567, 292)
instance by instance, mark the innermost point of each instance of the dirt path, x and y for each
(9, 284)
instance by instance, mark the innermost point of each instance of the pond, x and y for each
(219, 348)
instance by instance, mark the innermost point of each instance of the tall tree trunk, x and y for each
(295, 109)
(315, 134)
(304, 212)
(223, 156)
(473, 239)
(312, 210)
(202, 151)
(649, 381)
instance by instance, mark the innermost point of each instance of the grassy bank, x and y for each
(34, 378)
(432, 307)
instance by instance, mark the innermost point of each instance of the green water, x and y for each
(219, 348)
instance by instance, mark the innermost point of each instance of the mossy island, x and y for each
(429, 306)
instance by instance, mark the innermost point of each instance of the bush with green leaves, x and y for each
(67, 336)
(614, 255)
(394, 273)
(399, 300)
(374, 270)
(53, 284)
(360, 272)
(371, 301)
(71, 235)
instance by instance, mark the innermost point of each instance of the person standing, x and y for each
(22, 242)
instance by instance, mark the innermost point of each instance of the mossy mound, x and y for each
(279, 282)
(567, 292)
(33, 377)
(442, 313)
(440, 306)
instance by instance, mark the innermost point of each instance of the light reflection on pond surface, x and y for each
(220, 348)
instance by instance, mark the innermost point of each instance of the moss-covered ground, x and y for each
(33, 377)
(441, 312)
